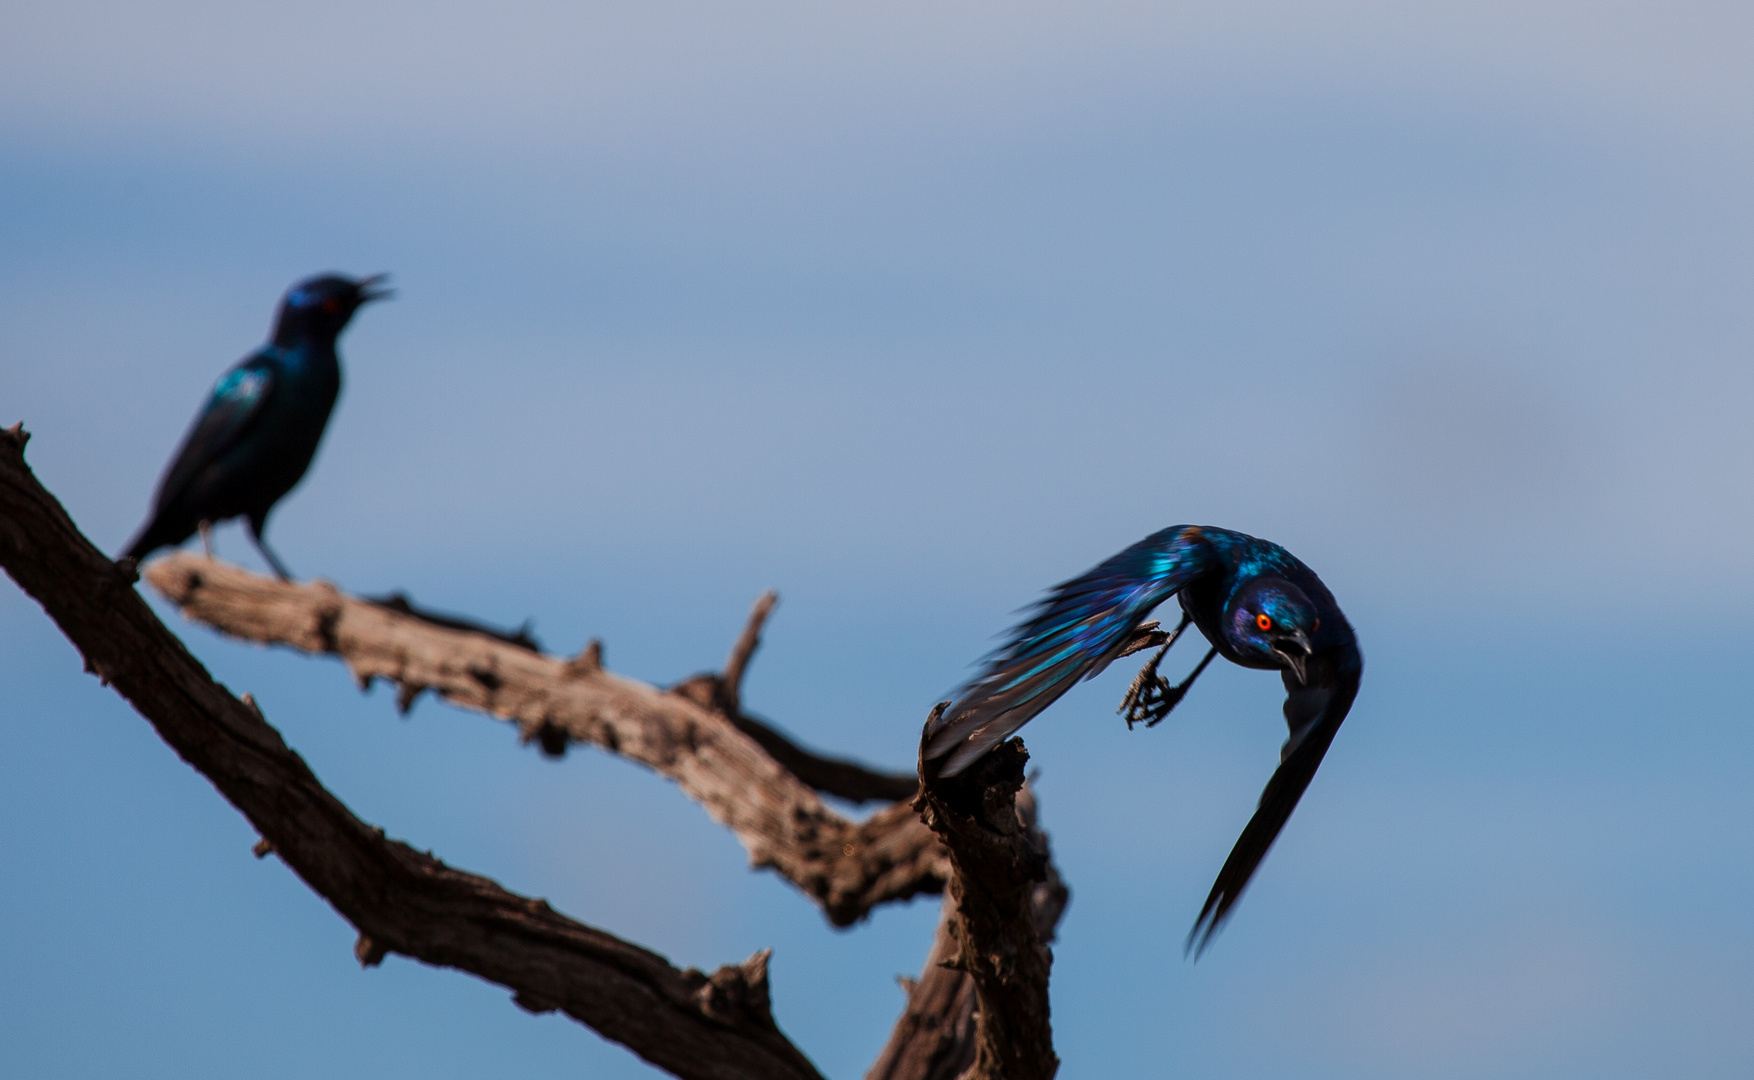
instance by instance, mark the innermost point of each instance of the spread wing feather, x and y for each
(1071, 634)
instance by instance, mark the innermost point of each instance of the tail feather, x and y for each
(155, 534)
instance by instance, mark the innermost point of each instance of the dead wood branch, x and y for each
(716, 1027)
(846, 867)
(1004, 897)
(731, 680)
(831, 776)
(935, 1038)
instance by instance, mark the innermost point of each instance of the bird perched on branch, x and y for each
(255, 437)
(1256, 604)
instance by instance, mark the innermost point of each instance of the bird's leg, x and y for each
(1148, 686)
(1151, 698)
(206, 528)
(280, 569)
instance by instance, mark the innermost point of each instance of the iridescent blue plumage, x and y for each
(255, 437)
(1255, 603)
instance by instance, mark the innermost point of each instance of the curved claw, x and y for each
(1150, 698)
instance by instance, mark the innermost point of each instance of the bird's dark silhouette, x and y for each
(1256, 604)
(255, 437)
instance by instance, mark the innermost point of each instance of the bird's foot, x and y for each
(1149, 700)
(1151, 697)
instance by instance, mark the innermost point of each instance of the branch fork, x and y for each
(978, 1010)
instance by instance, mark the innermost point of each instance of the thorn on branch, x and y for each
(16, 436)
(264, 848)
(368, 952)
(249, 701)
(406, 694)
(589, 661)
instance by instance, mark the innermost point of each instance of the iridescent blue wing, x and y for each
(1072, 634)
(234, 408)
(1314, 712)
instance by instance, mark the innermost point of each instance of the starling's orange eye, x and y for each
(1263, 622)
(1317, 625)
(331, 304)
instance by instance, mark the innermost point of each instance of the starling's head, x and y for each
(1275, 620)
(319, 307)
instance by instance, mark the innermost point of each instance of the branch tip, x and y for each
(731, 681)
(264, 848)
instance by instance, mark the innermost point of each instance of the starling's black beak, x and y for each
(1294, 650)
(369, 289)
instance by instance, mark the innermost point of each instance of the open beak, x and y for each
(372, 288)
(1294, 650)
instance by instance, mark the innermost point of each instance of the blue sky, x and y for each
(910, 311)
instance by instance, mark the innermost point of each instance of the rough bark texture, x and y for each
(711, 1027)
(847, 867)
(1005, 898)
(978, 1011)
(935, 1037)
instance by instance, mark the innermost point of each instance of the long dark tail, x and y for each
(157, 533)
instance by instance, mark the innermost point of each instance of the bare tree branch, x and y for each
(716, 1027)
(847, 867)
(1004, 898)
(731, 680)
(831, 776)
(935, 1038)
